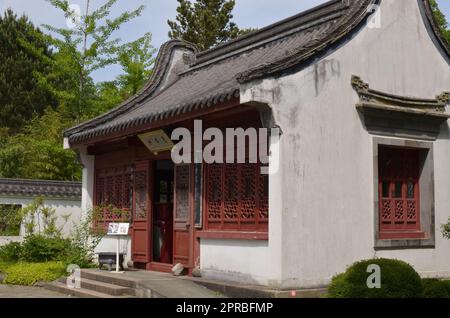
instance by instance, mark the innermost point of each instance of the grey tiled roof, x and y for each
(44, 188)
(218, 73)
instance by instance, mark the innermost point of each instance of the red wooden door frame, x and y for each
(183, 228)
(141, 243)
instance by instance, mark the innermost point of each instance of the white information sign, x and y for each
(118, 228)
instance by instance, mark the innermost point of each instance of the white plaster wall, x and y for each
(231, 260)
(70, 208)
(4, 240)
(326, 184)
(87, 193)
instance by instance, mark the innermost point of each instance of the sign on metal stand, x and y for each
(118, 230)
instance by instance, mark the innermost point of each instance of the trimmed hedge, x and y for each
(28, 274)
(435, 288)
(398, 280)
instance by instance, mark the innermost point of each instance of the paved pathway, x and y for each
(8, 291)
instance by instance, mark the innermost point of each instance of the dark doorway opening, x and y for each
(162, 226)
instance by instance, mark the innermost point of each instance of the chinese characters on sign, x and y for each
(118, 228)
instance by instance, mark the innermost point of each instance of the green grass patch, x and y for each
(28, 274)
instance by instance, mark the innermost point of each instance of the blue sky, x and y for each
(248, 13)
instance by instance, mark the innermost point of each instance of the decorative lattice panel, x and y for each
(99, 191)
(109, 191)
(231, 192)
(236, 197)
(182, 191)
(141, 193)
(248, 191)
(263, 196)
(214, 191)
(412, 211)
(127, 192)
(399, 171)
(118, 191)
(386, 212)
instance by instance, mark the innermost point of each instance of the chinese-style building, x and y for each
(359, 92)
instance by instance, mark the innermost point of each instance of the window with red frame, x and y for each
(399, 193)
(114, 187)
(236, 198)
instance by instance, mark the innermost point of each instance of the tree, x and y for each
(21, 96)
(137, 59)
(37, 152)
(440, 20)
(204, 23)
(84, 49)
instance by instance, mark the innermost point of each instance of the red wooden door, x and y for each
(141, 244)
(183, 228)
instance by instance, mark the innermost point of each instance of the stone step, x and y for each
(108, 278)
(106, 288)
(78, 292)
(235, 290)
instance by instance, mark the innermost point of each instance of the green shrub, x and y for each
(78, 256)
(39, 248)
(398, 280)
(28, 274)
(435, 288)
(10, 252)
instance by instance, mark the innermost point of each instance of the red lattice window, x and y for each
(113, 187)
(236, 197)
(399, 193)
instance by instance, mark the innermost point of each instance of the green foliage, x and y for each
(136, 59)
(435, 288)
(40, 248)
(10, 252)
(10, 220)
(86, 48)
(37, 152)
(44, 241)
(21, 97)
(39, 218)
(205, 23)
(445, 229)
(398, 280)
(31, 140)
(84, 239)
(28, 274)
(440, 20)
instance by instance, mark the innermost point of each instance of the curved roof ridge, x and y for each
(263, 42)
(359, 10)
(271, 30)
(160, 69)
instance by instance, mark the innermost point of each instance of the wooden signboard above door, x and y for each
(157, 141)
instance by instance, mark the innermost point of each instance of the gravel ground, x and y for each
(8, 291)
